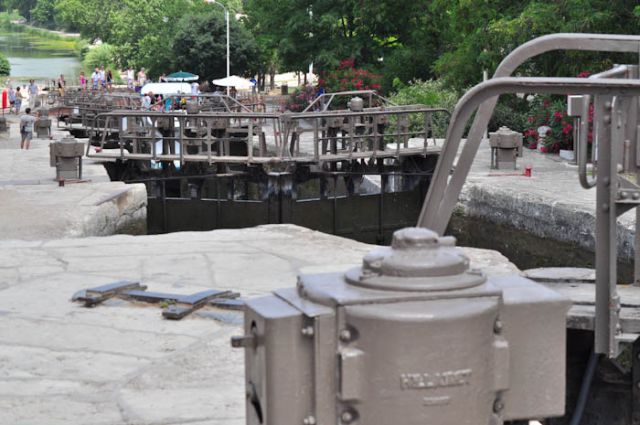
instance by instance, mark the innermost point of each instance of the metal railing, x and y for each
(249, 137)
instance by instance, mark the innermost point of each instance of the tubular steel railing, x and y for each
(219, 137)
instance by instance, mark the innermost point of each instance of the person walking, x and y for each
(109, 80)
(33, 93)
(12, 99)
(103, 78)
(61, 85)
(95, 79)
(142, 77)
(26, 129)
(19, 97)
(83, 81)
(131, 77)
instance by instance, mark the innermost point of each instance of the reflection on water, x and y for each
(29, 59)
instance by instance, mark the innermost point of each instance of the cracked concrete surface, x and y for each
(550, 204)
(34, 207)
(121, 363)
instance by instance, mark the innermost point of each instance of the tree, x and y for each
(44, 13)
(199, 46)
(23, 6)
(478, 38)
(93, 18)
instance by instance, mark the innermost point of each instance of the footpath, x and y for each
(34, 207)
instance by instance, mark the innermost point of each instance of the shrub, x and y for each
(103, 54)
(346, 78)
(431, 93)
(5, 67)
(299, 99)
(547, 111)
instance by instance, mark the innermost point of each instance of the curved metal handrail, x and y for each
(443, 192)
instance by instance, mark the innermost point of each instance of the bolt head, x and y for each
(497, 327)
(307, 331)
(346, 417)
(498, 406)
(345, 335)
(309, 420)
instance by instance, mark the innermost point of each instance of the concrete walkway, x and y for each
(550, 204)
(121, 363)
(33, 207)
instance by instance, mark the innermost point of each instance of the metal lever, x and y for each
(583, 145)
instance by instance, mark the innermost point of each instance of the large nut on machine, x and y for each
(413, 333)
(356, 104)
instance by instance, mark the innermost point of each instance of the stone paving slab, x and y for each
(121, 363)
(32, 206)
(550, 204)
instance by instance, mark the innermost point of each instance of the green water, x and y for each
(34, 56)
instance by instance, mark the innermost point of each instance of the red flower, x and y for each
(543, 149)
(584, 74)
(557, 115)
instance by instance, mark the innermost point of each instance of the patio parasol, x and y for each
(181, 76)
(233, 81)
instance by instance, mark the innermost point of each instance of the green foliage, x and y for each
(199, 46)
(429, 93)
(99, 55)
(44, 14)
(23, 7)
(5, 67)
(511, 112)
(478, 38)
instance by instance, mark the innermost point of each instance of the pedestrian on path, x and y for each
(19, 97)
(33, 93)
(12, 99)
(142, 77)
(26, 128)
(131, 79)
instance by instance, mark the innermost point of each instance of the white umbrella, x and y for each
(233, 81)
(167, 88)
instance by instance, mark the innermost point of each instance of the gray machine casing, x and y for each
(378, 345)
(66, 156)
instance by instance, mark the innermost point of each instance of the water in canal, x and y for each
(34, 56)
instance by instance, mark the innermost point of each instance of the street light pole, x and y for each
(226, 17)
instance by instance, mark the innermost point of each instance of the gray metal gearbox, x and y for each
(411, 337)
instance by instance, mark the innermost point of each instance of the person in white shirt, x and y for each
(130, 78)
(195, 88)
(33, 93)
(103, 77)
(95, 79)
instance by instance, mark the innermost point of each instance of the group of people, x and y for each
(101, 79)
(18, 95)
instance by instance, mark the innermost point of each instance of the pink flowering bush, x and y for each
(299, 100)
(552, 112)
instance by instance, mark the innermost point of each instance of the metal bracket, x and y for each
(175, 306)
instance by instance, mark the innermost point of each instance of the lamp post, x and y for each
(226, 17)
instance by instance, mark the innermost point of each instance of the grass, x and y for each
(41, 38)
